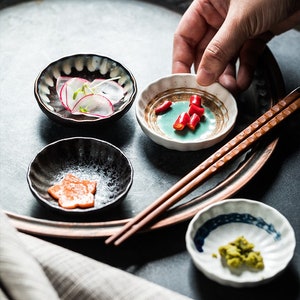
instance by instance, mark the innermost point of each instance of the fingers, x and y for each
(249, 55)
(183, 54)
(248, 58)
(234, 37)
(228, 78)
(212, 33)
(188, 33)
(190, 38)
(223, 47)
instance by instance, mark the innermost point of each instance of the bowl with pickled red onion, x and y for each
(85, 89)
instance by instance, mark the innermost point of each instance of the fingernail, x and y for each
(205, 77)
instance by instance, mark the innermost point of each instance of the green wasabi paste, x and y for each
(240, 252)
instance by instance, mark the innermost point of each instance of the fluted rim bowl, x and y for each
(86, 158)
(90, 67)
(223, 222)
(220, 112)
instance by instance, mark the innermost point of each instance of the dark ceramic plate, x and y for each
(89, 67)
(158, 169)
(86, 158)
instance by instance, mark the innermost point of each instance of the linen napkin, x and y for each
(31, 268)
(21, 277)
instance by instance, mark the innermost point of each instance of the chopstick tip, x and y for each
(114, 239)
(109, 240)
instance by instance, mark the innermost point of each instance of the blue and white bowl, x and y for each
(90, 67)
(221, 223)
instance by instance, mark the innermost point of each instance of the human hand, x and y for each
(213, 34)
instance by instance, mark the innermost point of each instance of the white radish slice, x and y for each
(72, 91)
(93, 105)
(108, 88)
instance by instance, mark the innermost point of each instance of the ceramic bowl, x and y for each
(89, 67)
(219, 117)
(86, 158)
(221, 223)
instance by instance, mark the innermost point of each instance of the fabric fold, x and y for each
(33, 269)
(75, 276)
(21, 277)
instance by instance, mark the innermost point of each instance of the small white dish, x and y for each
(219, 117)
(221, 223)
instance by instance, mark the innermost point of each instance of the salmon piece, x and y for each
(73, 192)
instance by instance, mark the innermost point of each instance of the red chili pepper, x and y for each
(181, 121)
(194, 109)
(194, 120)
(163, 107)
(195, 99)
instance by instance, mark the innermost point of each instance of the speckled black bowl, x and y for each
(87, 158)
(87, 66)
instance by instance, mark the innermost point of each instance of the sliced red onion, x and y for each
(72, 91)
(79, 96)
(93, 105)
(60, 82)
(108, 88)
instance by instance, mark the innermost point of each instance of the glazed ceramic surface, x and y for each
(221, 223)
(219, 116)
(86, 158)
(89, 67)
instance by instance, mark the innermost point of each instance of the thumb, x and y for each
(221, 50)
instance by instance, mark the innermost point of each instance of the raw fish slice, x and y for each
(84, 201)
(73, 192)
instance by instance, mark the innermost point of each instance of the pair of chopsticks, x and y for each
(226, 153)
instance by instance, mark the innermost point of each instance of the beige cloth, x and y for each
(21, 277)
(32, 269)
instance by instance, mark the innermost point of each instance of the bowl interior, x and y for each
(86, 158)
(89, 67)
(219, 117)
(262, 225)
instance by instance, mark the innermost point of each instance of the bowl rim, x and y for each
(77, 211)
(92, 120)
(185, 145)
(211, 274)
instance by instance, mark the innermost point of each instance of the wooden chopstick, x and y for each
(234, 147)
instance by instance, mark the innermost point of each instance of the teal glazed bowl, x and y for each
(218, 120)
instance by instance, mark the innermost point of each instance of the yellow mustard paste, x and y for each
(239, 252)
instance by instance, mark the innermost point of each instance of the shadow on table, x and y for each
(137, 253)
(286, 283)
